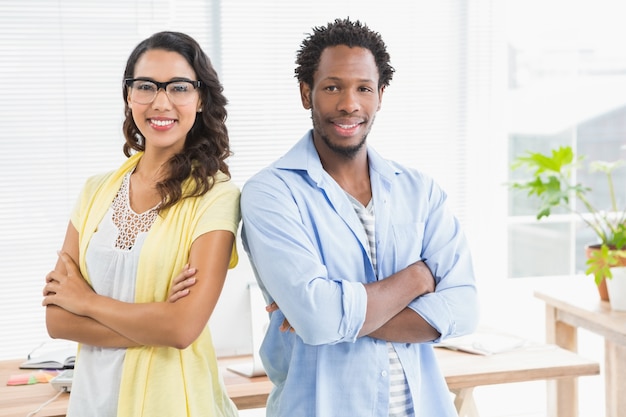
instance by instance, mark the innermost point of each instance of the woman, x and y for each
(164, 221)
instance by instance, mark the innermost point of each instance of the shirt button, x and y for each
(383, 374)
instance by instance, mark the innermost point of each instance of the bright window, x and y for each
(566, 86)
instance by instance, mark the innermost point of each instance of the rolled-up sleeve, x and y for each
(281, 238)
(453, 308)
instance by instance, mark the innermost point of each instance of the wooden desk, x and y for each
(568, 308)
(19, 400)
(463, 372)
(245, 392)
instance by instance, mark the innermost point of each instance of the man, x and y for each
(360, 258)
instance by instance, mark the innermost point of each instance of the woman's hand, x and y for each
(181, 284)
(69, 290)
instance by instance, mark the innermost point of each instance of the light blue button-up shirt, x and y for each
(308, 250)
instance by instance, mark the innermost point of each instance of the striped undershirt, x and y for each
(400, 403)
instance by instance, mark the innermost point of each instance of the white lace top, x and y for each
(111, 258)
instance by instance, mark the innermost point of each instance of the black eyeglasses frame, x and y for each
(162, 85)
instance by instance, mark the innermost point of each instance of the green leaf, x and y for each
(551, 184)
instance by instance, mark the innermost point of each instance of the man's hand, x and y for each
(422, 272)
(285, 326)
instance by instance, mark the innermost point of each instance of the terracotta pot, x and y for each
(602, 290)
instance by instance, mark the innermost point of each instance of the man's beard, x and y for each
(346, 152)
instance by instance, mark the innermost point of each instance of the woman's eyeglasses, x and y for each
(179, 92)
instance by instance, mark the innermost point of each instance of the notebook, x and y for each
(51, 355)
(258, 326)
(484, 342)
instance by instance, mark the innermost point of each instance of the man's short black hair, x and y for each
(342, 32)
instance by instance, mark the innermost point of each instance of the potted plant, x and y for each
(551, 182)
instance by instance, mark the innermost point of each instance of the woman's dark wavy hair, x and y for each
(207, 145)
(342, 32)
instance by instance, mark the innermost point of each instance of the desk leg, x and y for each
(464, 402)
(562, 393)
(614, 370)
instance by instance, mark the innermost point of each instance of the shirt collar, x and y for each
(303, 156)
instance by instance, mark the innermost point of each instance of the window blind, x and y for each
(62, 111)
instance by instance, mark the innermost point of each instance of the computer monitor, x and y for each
(259, 320)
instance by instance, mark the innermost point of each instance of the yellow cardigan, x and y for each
(163, 381)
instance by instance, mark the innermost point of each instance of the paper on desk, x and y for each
(484, 343)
